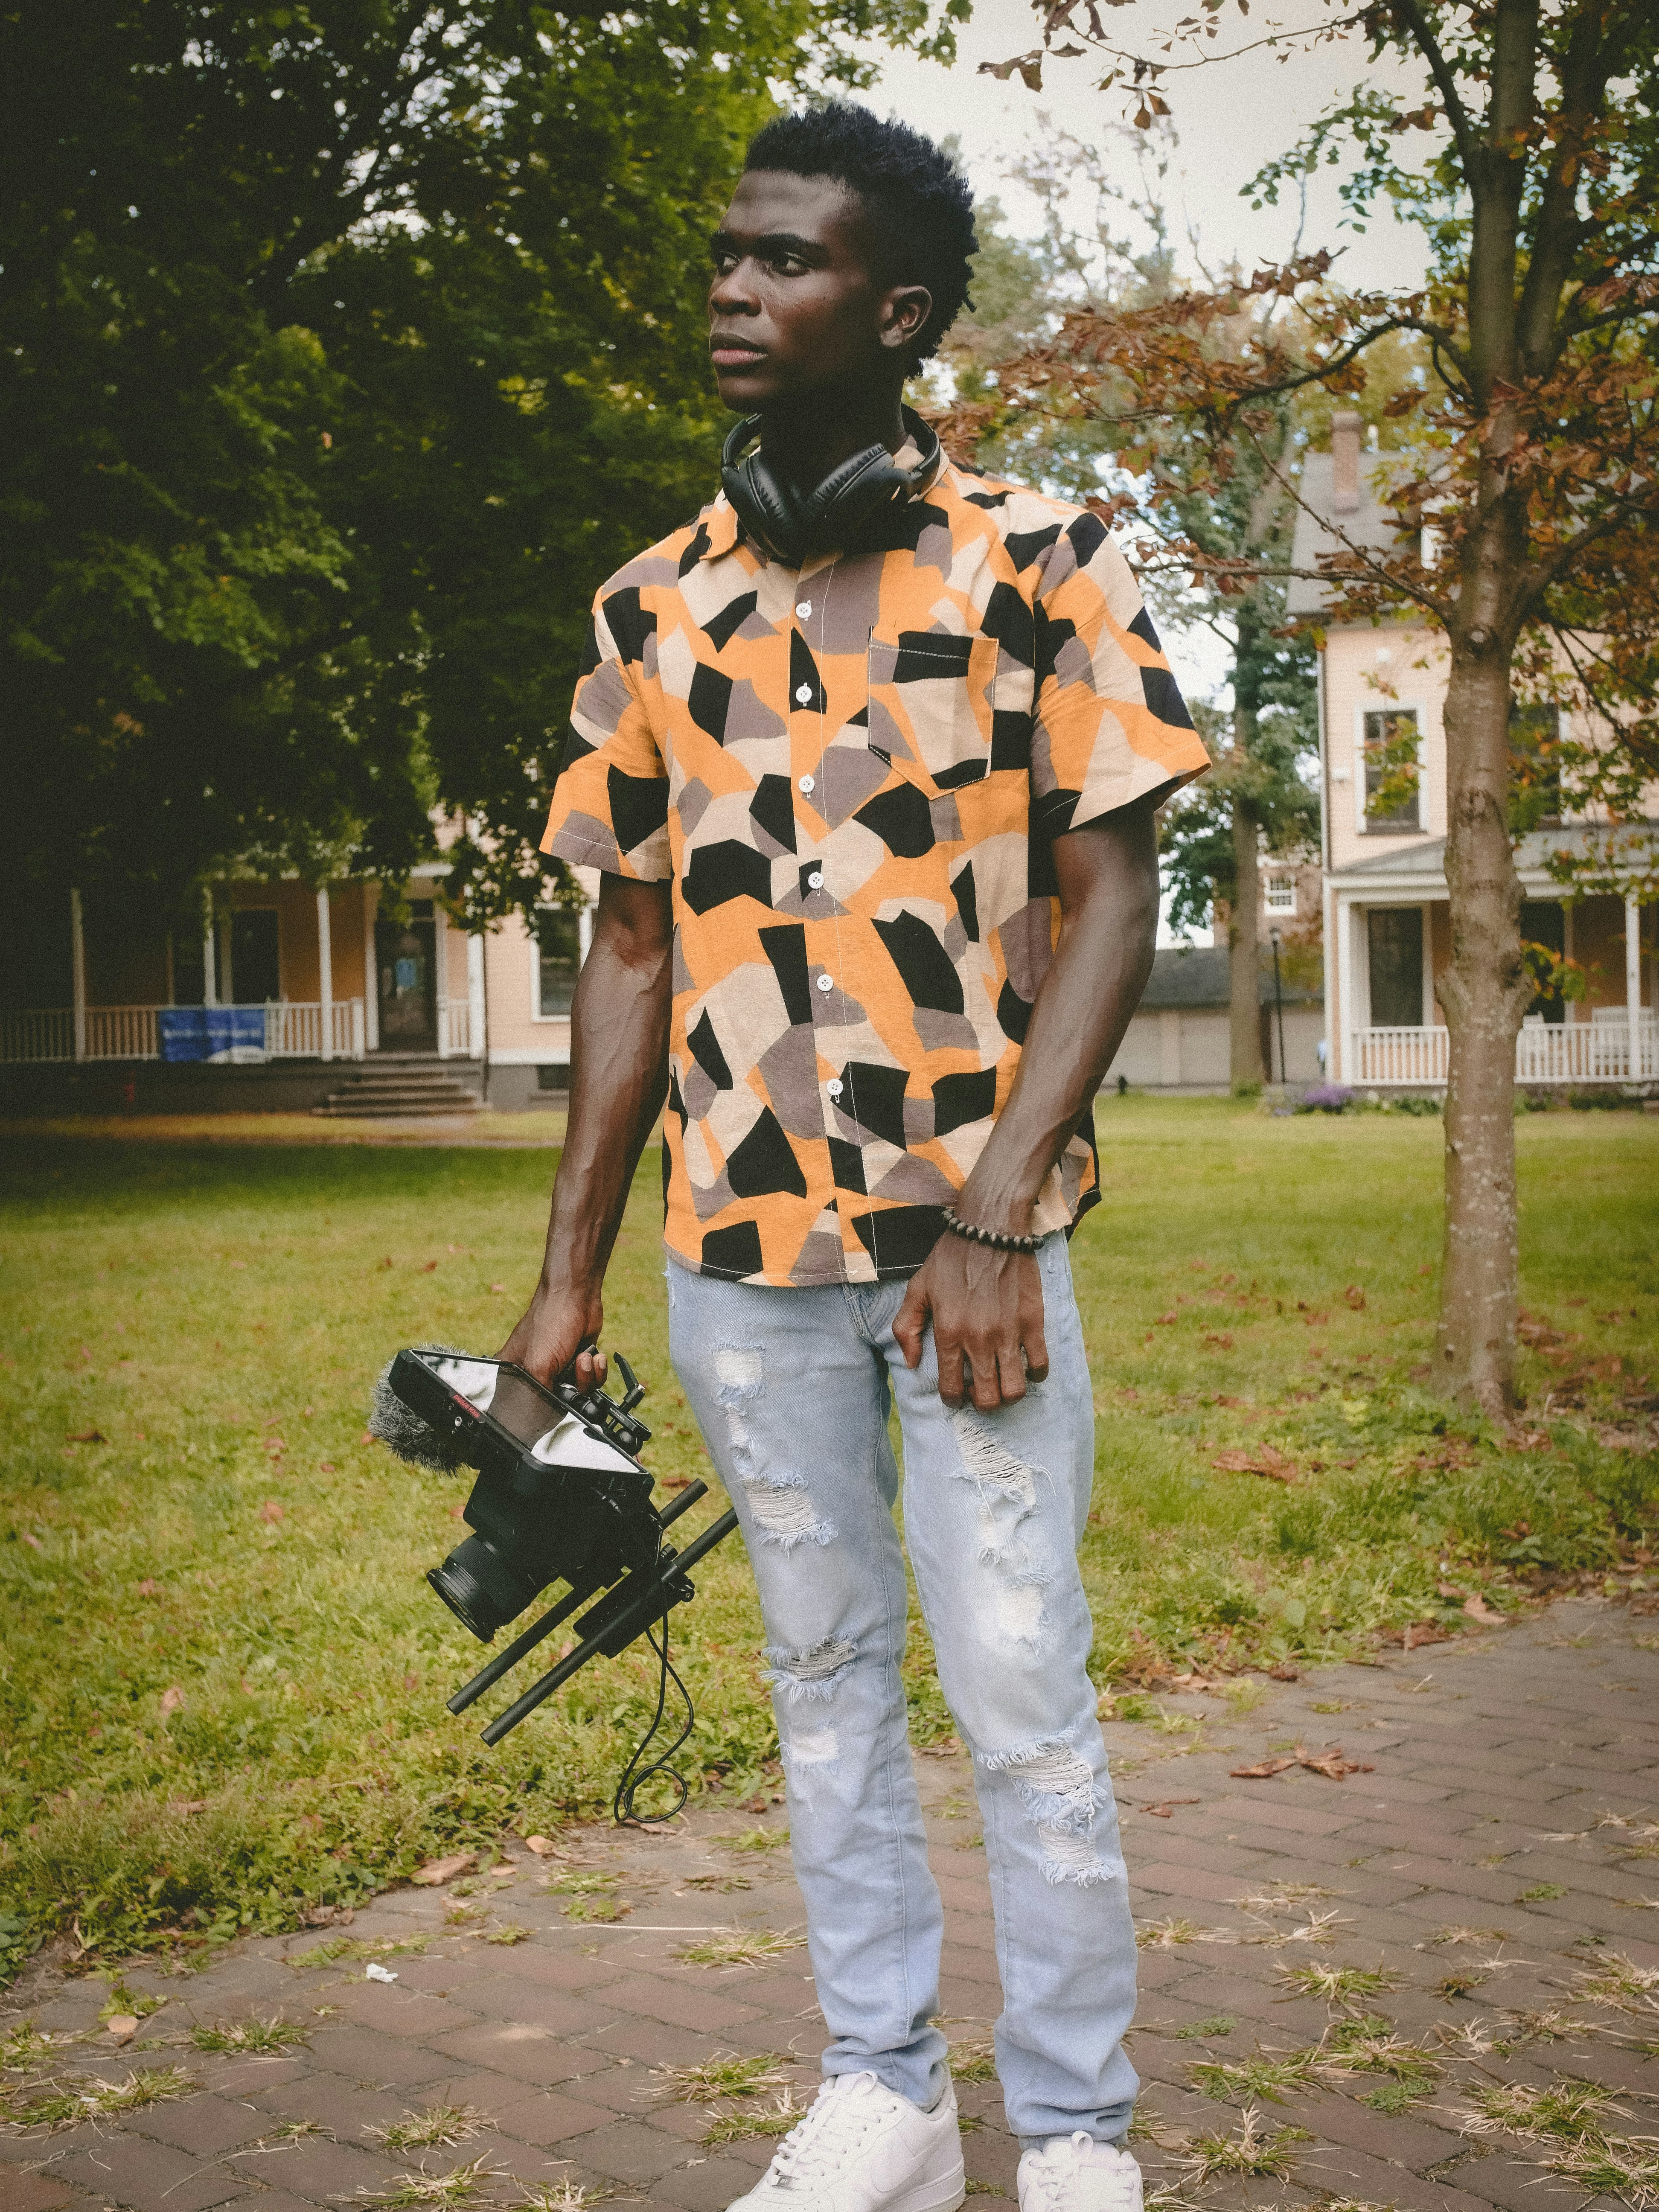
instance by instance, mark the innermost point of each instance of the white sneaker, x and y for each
(1075, 2173)
(861, 2148)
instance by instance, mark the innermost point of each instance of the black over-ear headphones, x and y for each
(786, 523)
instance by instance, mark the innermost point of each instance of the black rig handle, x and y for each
(647, 1608)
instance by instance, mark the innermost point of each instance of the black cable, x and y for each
(622, 1805)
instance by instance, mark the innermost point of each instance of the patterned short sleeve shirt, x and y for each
(851, 773)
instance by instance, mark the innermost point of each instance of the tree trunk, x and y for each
(1244, 953)
(1485, 993)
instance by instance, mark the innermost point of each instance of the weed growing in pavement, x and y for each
(975, 2060)
(25, 2045)
(1369, 2046)
(91, 2099)
(437, 2190)
(1458, 1935)
(349, 1947)
(721, 1884)
(773, 2119)
(1336, 1986)
(1164, 1935)
(1318, 1928)
(261, 2035)
(1458, 1985)
(737, 1947)
(1281, 1897)
(1253, 2149)
(1203, 2030)
(509, 1932)
(1618, 1981)
(438, 2127)
(603, 1909)
(563, 2196)
(754, 1839)
(1261, 2077)
(1570, 2109)
(1539, 1891)
(727, 2074)
(124, 2000)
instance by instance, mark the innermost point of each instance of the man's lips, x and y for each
(734, 353)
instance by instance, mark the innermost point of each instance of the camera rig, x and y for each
(560, 1496)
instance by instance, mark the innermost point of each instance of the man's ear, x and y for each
(904, 314)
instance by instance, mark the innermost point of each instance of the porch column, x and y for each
(441, 972)
(78, 975)
(1343, 1028)
(1633, 985)
(475, 994)
(209, 966)
(325, 970)
(371, 986)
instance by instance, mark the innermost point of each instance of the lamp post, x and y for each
(1278, 1008)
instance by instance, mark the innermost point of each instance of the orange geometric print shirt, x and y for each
(851, 773)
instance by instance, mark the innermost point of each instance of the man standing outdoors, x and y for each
(868, 755)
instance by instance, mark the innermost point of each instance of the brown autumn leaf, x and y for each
(271, 1511)
(87, 1436)
(1219, 1338)
(149, 1589)
(1355, 1296)
(1331, 1764)
(172, 1697)
(437, 1871)
(430, 1268)
(122, 2026)
(1477, 1609)
(1264, 1771)
(1165, 1809)
(1259, 1459)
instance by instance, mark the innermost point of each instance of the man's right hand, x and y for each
(560, 1325)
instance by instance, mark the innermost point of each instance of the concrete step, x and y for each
(407, 1088)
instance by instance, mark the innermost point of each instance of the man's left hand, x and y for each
(987, 1311)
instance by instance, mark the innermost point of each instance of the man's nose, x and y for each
(733, 292)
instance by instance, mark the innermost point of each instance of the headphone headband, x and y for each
(787, 523)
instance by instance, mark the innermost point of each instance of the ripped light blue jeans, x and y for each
(792, 1389)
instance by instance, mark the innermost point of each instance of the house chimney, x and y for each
(1345, 461)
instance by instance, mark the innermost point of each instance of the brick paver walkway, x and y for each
(1489, 1873)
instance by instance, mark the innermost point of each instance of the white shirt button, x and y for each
(802, 608)
(803, 693)
(825, 983)
(807, 784)
(833, 1086)
(815, 881)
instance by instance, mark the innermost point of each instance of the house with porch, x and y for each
(1383, 749)
(353, 997)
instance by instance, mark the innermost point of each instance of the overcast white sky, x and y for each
(1231, 117)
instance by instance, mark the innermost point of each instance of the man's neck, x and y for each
(804, 440)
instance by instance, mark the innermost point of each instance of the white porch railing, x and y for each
(291, 1031)
(1597, 1051)
(47, 1034)
(455, 1030)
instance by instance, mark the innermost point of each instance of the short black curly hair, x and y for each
(917, 196)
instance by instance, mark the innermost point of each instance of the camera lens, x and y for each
(480, 1590)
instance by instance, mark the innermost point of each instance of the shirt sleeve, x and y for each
(610, 806)
(1111, 726)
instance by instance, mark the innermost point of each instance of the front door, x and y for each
(404, 962)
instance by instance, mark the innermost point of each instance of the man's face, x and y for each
(798, 302)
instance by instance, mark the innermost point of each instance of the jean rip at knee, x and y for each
(1056, 1788)
(778, 1497)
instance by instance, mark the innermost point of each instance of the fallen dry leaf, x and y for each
(436, 1871)
(32, 1540)
(1331, 1763)
(172, 1697)
(1164, 1810)
(123, 2025)
(1261, 1459)
(1264, 1772)
(89, 1436)
(326, 1466)
(1478, 1609)
(270, 1510)
(1355, 1296)
(430, 1268)
(543, 1846)
(187, 1804)
(148, 1588)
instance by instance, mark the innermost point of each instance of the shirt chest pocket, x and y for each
(934, 703)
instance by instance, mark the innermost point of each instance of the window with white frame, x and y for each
(1392, 743)
(559, 948)
(1281, 892)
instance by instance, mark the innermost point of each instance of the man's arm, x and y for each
(986, 1306)
(618, 1078)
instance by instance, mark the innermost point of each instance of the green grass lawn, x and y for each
(221, 1692)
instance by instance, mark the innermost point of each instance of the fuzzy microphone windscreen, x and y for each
(405, 1433)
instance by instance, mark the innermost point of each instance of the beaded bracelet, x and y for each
(993, 1239)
